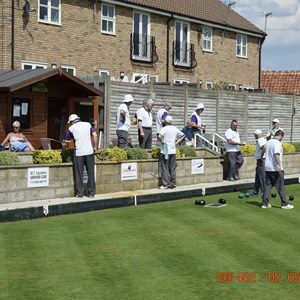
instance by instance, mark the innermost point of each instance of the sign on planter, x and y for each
(128, 171)
(37, 177)
(197, 166)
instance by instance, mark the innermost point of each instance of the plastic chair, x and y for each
(50, 144)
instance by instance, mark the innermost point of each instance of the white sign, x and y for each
(128, 171)
(197, 166)
(37, 177)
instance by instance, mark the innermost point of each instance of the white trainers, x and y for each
(289, 206)
(266, 206)
(163, 187)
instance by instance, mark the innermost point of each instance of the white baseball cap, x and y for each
(73, 117)
(169, 119)
(128, 98)
(200, 106)
(275, 121)
(257, 132)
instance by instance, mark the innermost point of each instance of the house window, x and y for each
(231, 87)
(207, 39)
(108, 18)
(103, 72)
(180, 80)
(140, 78)
(241, 45)
(141, 38)
(21, 111)
(50, 11)
(209, 85)
(70, 70)
(182, 54)
(33, 65)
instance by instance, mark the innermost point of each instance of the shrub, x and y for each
(186, 151)
(47, 157)
(248, 149)
(288, 148)
(155, 152)
(67, 155)
(297, 146)
(113, 154)
(8, 158)
(136, 153)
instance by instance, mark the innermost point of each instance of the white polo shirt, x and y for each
(123, 126)
(81, 133)
(273, 147)
(145, 116)
(260, 143)
(235, 136)
(161, 115)
(170, 135)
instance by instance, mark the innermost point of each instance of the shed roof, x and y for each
(281, 82)
(13, 80)
(213, 11)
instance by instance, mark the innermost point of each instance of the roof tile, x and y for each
(281, 82)
(213, 11)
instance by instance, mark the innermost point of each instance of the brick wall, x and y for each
(78, 42)
(13, 179)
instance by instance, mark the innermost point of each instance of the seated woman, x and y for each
(17, 141)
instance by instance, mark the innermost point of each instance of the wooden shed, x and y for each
(42, 100)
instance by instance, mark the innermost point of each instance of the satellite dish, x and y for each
(26, 7)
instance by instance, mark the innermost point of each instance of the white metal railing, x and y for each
(211, 144)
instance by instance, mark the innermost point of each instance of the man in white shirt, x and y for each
(169, 137)
(276, 126)
(260, 164)
(145, 117)
(81, 133)
(233, 150)
(162, 113)
(123, 121)
(274, 171)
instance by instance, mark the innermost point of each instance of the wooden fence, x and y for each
(252, 110)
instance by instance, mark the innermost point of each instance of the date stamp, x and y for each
(252, 277)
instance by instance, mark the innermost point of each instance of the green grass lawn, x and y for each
(170, 250)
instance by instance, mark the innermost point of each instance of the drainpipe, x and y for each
(168, 48)
(12, 34)
(259, 66)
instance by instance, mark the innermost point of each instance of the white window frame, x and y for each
(247, 88)
(49, 13)
(108, 19)
(207, 39)
(69, 68)
(180, 80)
(184, 54)
(209, 85)
(231, 87)
(241, 45)
(145, 35)
(33, 65)
(103, 72)
(144, 78)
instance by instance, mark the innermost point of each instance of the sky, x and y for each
(281, 49)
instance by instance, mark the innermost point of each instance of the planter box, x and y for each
(14, 179)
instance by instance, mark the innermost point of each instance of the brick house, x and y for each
(281, 82)
(202, 41)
